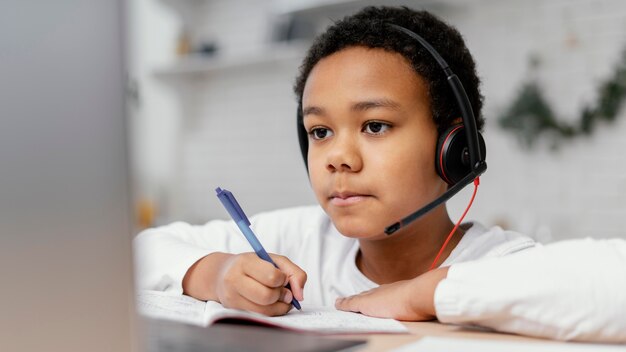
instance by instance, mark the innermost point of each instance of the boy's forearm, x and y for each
(201, 278)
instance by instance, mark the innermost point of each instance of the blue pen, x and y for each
(240, 218)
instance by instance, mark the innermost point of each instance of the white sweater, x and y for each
(305, 235)
(571, 290)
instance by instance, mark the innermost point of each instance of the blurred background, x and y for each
(211, 104)
(196, 94)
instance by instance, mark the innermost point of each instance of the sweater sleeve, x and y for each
(164, 254)
(571, 290)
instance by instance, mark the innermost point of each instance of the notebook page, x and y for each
(325, 320)
(162, 305)
(330, 320)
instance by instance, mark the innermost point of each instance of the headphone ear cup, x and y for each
(452, 159)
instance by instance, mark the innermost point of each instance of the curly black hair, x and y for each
(368, 28)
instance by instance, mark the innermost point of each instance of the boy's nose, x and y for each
(344, 155)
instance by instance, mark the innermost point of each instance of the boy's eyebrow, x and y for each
(313, 110)
(359, 106)
(376, 103)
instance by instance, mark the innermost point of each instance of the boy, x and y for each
(373, 104)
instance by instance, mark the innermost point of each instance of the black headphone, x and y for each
(460, 156)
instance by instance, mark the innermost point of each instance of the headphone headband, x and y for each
(467, 113)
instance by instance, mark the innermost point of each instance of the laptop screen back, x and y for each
(65, 220)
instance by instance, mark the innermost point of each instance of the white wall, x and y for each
(155, 116)
(235, 128)
(579, 190)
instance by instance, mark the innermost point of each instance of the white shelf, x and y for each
(200, 64)
(313, 10)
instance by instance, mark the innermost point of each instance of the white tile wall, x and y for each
(579, 189)
(238, 130)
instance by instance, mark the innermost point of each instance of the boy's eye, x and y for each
(375, 127)
(319, 133)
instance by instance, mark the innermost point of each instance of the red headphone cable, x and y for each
(434, 264)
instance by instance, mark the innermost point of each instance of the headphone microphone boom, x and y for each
(460, 156)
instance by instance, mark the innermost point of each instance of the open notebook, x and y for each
(322, 320)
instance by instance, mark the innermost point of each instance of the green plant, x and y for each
(530, 116)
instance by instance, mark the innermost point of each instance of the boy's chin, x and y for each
(359, 229)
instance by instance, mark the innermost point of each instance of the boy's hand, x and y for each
(408, 300)
(245, 281)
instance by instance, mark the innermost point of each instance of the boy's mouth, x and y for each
(346, 198)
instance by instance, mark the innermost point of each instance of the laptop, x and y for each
(65, 214)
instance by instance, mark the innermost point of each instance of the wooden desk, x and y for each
(166, 336)
(385, 342)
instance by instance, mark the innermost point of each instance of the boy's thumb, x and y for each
(295, 275)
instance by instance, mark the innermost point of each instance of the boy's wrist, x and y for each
(424, 286)
(201, 278)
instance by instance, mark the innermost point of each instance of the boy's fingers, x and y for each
(286, 296)
(296, 277)
(349, 304)
(265, 273)
(275, 309)
(258, 293)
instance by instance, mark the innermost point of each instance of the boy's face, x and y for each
(372, 140)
